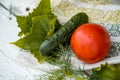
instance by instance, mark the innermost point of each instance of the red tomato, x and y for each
(90, 43)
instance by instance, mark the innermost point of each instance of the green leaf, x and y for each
(43, 8)
(105, 72)
(42, 27)
(117, 66)
(25, 22)
(35, 27)
(31, 43)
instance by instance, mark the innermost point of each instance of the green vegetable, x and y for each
(36, 27)
(63, 33)
(106, 72)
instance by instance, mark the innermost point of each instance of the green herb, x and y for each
(66, 71)
(36, 27)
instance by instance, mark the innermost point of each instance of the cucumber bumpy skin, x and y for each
(63, 34)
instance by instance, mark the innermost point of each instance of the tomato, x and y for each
(90, 42)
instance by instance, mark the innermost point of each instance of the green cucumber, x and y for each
(63, 34)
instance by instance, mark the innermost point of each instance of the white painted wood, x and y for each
(11, 63)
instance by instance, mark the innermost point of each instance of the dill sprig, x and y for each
(66, 70)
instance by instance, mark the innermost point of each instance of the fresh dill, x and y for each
(66, 70)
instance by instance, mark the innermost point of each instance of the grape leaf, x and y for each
(106, 72)
(25, 22)
(42, 27)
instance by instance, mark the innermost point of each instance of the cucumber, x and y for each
(63, 34)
